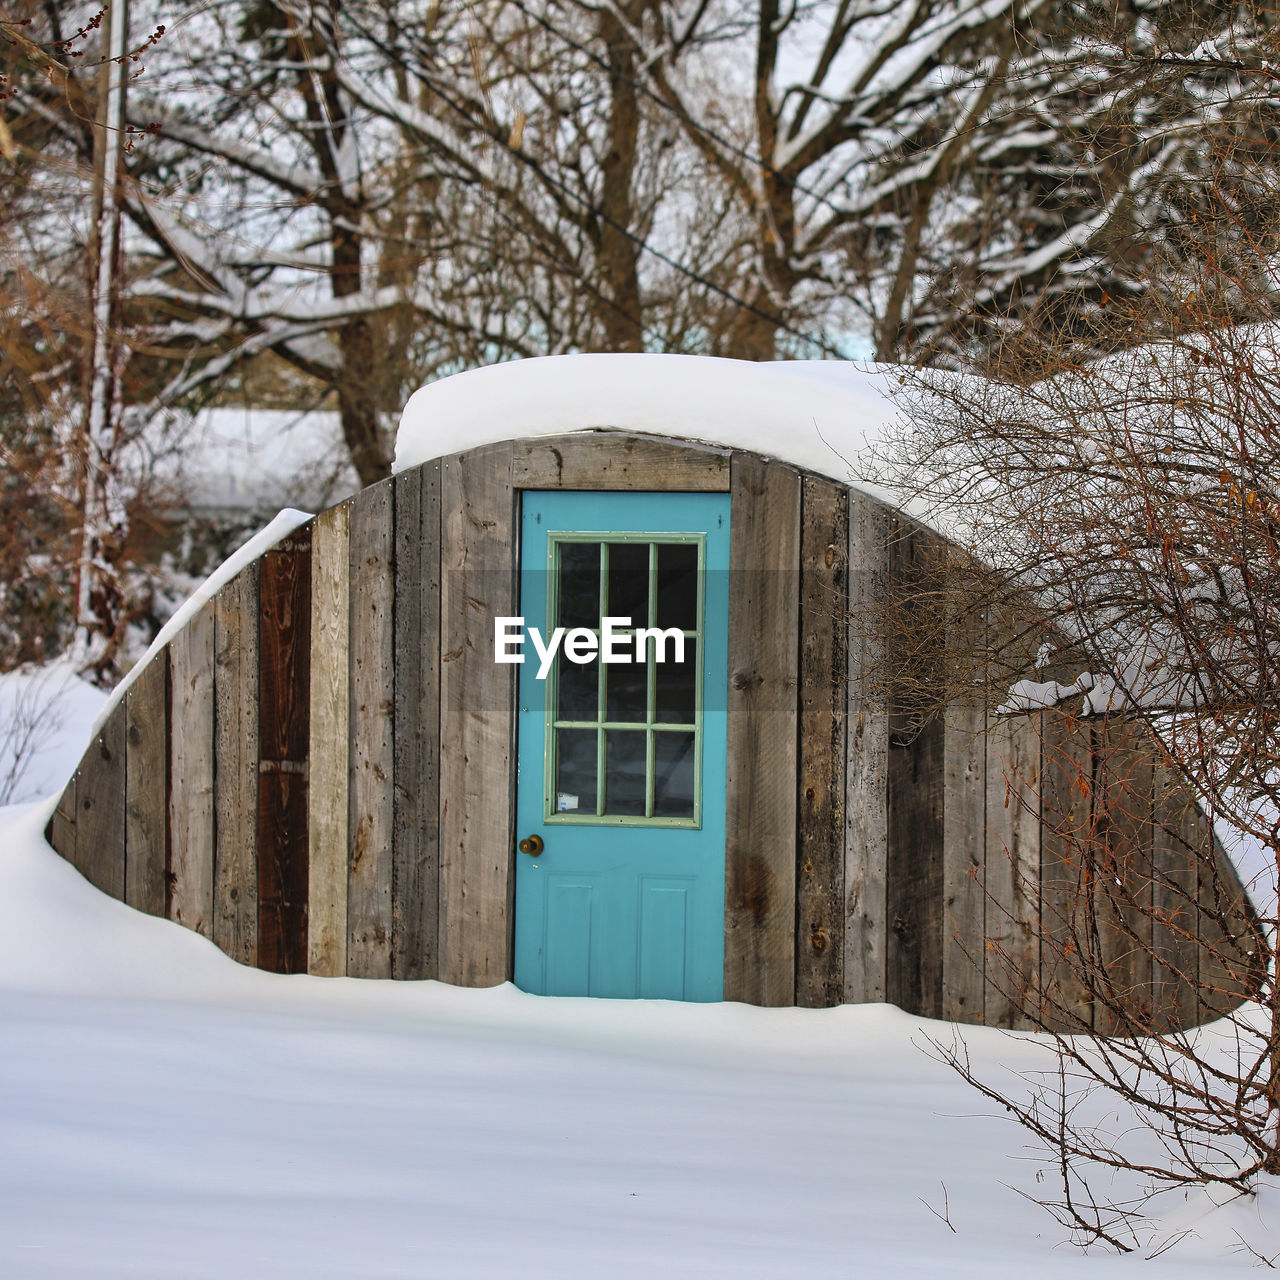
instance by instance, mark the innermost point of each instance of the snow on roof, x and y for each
(817, 414)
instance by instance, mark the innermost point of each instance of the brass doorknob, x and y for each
(532, 845)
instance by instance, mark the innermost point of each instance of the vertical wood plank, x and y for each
(866, 830)
(191, 764)
(415, 872)
(1175, 894)
(284, 713)
(1225, 980)
(147, 787)
(1066, 872)
(372, 804)
(964, 858)
(760, 891)
(100, 808)
(62, 826)
(914, 889)
(1123, 888)
(330, 744)
(820, 873)
(1012, 880)
(282, 869)
(477, 704)
(235, 699)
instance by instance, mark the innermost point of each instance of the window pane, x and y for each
(577, 688)
(626, 690)
(678, 585)
(576, 776)
(579, 584)
(677, 682)
(629, 582)
(673, 770)
(624, 754)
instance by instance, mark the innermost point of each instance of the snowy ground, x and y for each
(167, 1113)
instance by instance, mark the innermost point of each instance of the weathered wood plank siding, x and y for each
(191, 770)
(147, 787)
(371, 815)
(615, 461)
(964, 855)
(319, 771)
(415, 871)
(867, 719)
(914, 811)
(1067, 870)
(235, 690)
(100, 809)
(1123, 888)
(1011, 960)
(820, 873)
(284, 702)
(62, 826)
(1175, 886)
(477, 707)
(1226, 974)
(760, 871)
(330, 744)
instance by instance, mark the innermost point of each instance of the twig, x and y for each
(945, 1215)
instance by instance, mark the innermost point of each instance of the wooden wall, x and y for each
(317, 774)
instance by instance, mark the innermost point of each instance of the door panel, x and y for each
(664, 934)
(622, 763)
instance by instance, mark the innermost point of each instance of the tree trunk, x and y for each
(357, 384)
(619, 307)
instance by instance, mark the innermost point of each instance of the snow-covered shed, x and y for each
(330, 768)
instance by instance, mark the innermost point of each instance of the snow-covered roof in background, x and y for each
(815, 414)
(265, 459)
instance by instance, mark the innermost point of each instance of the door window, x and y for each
(624, 745)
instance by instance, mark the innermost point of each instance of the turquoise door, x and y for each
(622, 761)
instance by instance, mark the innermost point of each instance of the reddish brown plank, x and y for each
(284, 691)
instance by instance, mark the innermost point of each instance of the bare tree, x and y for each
(947, 167)
(74, 487)
(1123, 519)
